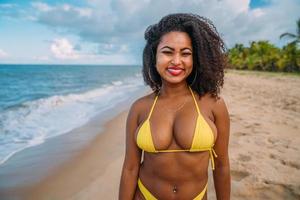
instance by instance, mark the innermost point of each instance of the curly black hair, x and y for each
(209, 60)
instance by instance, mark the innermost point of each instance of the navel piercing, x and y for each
(174, 189)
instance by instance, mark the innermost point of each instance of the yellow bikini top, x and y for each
(203, 139)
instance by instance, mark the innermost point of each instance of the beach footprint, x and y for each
(244, 158)
(273, 141)
(239, 134)
(291, 164)
(286, 191)
(238, 175)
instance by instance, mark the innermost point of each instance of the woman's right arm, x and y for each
(132, 159)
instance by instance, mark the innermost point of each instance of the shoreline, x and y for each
(72, 163)
(33, 169)
(74, 177)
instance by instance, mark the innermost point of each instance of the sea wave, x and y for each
(31, 123)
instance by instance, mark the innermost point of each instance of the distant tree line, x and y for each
(262, 55)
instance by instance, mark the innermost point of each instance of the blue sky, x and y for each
(111, 31)
(259, 3)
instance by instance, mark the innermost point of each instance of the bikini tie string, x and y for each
(212, 156)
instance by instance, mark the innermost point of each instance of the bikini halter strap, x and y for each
(152, 106)
(198, 110)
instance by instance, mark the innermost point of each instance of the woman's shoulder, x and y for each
(214, 100)
(214, 103)
(142, 102)
(218, 105)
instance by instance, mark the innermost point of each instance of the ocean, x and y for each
(38, 102)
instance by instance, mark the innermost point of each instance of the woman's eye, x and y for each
(186, 54)
(167, 52)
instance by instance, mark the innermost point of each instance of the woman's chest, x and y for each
(177, 130)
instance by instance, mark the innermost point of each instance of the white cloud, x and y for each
(122, 22)
(258, 12)
(84, 12)
(117, 27)
(3, 54)
(265, 23)
(41, 6)
(236, 6)
(63, 49)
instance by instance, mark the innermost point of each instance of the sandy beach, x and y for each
(93, 174)
(264, 146)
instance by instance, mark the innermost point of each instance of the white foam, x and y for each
(35, 121)
(117, 82)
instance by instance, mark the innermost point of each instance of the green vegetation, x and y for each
(264, 56)
(262, 73)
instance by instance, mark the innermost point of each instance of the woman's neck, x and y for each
(169, 90)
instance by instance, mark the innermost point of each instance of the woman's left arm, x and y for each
(221, 173)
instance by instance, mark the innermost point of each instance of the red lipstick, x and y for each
(174, 70)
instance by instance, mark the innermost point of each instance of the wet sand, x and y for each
(264, 146)
(93, 174)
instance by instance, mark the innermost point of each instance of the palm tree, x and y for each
(296, 37)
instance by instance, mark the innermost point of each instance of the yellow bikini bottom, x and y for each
(148, 196)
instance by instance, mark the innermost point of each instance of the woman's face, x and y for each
(174, 57)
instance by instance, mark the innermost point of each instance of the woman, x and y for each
(184, 122)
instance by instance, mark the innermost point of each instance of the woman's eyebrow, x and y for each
(167, 47)
(186, 48)
(174, 49)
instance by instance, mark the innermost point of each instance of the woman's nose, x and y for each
(176, 59)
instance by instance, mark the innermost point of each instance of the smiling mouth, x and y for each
(175, 71)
